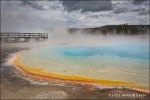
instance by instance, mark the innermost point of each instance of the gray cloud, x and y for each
(94, 16)
(138, 1)
(32, 4)
(144, 12)
(100, 15)
(40, 16)
(138, 9)
(86, 6)
(40, 5)
(119, 10)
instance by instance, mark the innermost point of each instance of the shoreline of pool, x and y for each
(38, 74)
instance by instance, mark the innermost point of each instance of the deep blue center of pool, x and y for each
(129, 51)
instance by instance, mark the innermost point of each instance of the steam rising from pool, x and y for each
(101, 57)
(61, 36)
(126, 62)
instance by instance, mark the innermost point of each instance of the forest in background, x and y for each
(116, 29)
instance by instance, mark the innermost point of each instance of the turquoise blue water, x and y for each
(129, 63)
(128, 51)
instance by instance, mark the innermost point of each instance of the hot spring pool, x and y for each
(127, 63)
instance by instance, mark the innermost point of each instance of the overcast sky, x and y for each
(42, 16)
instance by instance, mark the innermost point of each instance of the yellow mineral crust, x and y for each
(39, 73)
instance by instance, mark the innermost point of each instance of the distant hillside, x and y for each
(118, 29)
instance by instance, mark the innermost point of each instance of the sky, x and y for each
(43, 16)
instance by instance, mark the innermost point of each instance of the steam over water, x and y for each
(102, 57)
(120, 62)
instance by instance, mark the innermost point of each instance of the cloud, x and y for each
(118, 10)
(17, 18)
(40, 5)
(144, 12)
(32, 4)
(139, 1)
(85, 6)
(138, 9)
(42, 16)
